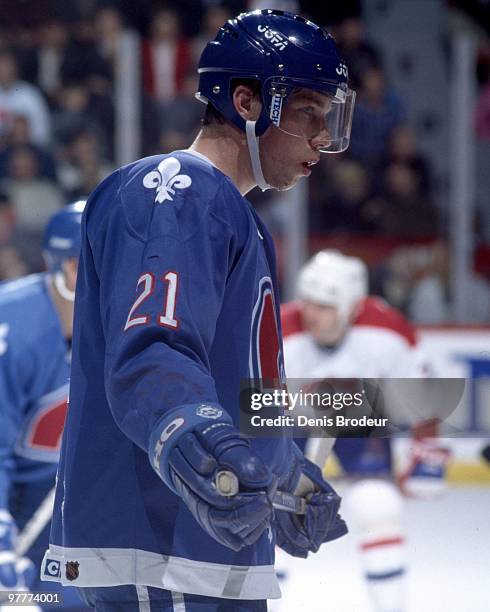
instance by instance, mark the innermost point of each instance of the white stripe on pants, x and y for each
(178, 601)
(143, 598)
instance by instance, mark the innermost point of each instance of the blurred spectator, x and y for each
(11, 262)
(341, 204)
(482, 127)
(166, 56)
(53, 40)
(172, 140)
(416, 279)
(482, 113)
(284, 5)
(18, 97)
(402, 147)
(83, 166)
(27, 14)
(19, 134)
(214, 17)
(78, 109)
(378, 111)
(330, 13)
(402, 209)
(83, 63)
(35, 198)
(108, 29)
(359, 53)
(183, 113)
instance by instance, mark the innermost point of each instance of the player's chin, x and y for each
(285, 183)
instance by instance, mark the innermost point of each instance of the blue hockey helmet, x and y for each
(284, 52)
(62, 236)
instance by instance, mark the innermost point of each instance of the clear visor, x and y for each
(321, 118)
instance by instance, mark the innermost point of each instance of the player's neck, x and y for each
(227, 149)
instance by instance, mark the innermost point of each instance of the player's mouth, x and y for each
(307, 166)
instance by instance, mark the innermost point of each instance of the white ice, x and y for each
(449, 562)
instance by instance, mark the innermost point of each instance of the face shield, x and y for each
(320, 115)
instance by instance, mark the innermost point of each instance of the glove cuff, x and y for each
(173, 425)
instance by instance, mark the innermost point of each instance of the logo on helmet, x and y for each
(342, 70)
(276, 108)
(278, 40)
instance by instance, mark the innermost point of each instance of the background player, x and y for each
(177, 304)
(336, 330)
(36, 317)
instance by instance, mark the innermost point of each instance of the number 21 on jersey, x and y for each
(147, 284)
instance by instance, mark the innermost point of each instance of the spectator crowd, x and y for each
(57, 129)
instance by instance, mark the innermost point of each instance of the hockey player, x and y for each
(336, 330)
(36, 314)
(176, 305)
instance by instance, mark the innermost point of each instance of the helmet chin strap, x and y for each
(61, 288)
(253, 149)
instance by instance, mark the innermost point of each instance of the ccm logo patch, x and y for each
(52, 568)
(209, 412)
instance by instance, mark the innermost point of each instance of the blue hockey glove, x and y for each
(188, 447)
(15, 573)
(298, 535)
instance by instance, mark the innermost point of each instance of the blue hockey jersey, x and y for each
(176, 304)
(34, 370)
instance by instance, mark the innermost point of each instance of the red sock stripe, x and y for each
(385, 542)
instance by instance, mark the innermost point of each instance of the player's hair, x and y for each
(212, 116)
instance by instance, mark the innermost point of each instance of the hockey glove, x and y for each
(299, 535)
(15, 573)
(188, 447)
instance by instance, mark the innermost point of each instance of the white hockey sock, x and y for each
(375, 509)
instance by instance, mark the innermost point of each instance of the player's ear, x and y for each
(247, 104)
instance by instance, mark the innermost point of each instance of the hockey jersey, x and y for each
(176, 304)
(34, 371)
(380, 343)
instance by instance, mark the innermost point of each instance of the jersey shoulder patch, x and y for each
(375, 312)
(170, 194)
(169, 178)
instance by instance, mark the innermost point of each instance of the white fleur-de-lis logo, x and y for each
(166, 179)
(4, 330)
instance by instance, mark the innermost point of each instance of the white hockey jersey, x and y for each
(380, 343)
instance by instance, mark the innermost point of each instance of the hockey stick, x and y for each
(30, 533)
(35, 524)
(318, 450)
(227, 485)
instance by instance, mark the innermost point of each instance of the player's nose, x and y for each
(321, 140)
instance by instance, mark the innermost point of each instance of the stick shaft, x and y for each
(35, 524)
(227, 484)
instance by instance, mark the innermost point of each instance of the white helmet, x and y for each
(334, 279)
